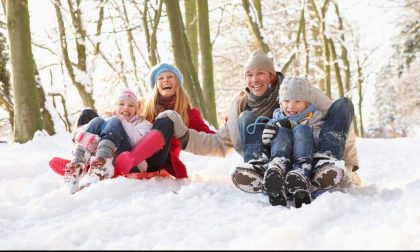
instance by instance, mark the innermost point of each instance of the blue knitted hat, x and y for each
(164, 67)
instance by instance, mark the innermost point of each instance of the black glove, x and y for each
(285, 123)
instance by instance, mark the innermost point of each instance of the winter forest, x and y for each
(58, 57)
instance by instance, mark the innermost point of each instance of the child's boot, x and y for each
(74, 170)
(101, 166)
(298, 184)
(274, 181)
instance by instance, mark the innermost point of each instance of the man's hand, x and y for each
(179, 127)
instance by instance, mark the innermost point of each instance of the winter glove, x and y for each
(285, 123)
(179, 127)
(268, 133)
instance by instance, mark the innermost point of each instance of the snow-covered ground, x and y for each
(206, 211)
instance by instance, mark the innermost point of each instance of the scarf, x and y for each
(165, 103)
(307, 113)
(265, 104)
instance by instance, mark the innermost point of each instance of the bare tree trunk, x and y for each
(64, 118)
(191, 25)
(258, 9)
(344, 54)
(253, 27)
(6, 100)
(99, 27)
(336, 68)
(182, 55)
(206, 51)
(27, 118)
(130, 42)
(360, 93)
(320, 14)
(150, 33)
(317, 48)
(81, 65)
(297, 41)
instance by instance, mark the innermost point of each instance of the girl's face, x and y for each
(293, 107)
(126, 109)
(167, 84)
(258, 81)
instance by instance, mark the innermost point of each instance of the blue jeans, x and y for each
(112, 130)
(296, 144)
(254, 149)
(333, 135)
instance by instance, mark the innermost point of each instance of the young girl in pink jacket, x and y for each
(101, 139)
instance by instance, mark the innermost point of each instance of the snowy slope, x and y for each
(205, 211)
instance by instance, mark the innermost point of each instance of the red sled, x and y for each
(151, 143)
(58, 164)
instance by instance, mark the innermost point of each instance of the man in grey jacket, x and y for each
(260, 98)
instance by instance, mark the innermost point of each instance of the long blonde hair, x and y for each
(182, 104)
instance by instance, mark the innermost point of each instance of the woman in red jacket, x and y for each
(160, 147)
(167, 94)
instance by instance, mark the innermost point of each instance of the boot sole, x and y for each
(328, 177)
(274, 186)
(247, 180)
(295, 181)
(302, 197)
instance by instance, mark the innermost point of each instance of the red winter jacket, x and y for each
(174, 165)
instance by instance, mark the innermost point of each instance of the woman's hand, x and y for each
(179, 127)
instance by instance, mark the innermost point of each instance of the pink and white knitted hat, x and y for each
(126, 94)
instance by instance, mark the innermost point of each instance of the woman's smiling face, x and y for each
(167, 84)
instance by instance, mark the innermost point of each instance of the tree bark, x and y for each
(206, 52)
(6, 100)
(27, 118)
(253, 27)
(81, 65)
(182, 55)
(191, 25)
(336, 68)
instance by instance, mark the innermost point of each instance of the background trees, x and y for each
(93, 48)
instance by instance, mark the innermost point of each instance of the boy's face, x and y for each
(167, 84)
(258, 81)
(126, 109)
(293, 107)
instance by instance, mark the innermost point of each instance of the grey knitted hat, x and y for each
(260, 60)
(295, 88)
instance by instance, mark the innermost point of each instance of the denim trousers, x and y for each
(111, 129)
(254, 149)
(337, 122)
(296, 144)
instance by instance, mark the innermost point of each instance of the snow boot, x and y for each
(298, 184)
(248, 179)
(74, 170)
(72, 174)
(274, 183)
(97, 173)
(149, 145)
(327, 174)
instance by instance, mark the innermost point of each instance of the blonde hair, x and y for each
(182, 104)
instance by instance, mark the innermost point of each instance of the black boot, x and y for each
(298, 184)
(274, 181)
